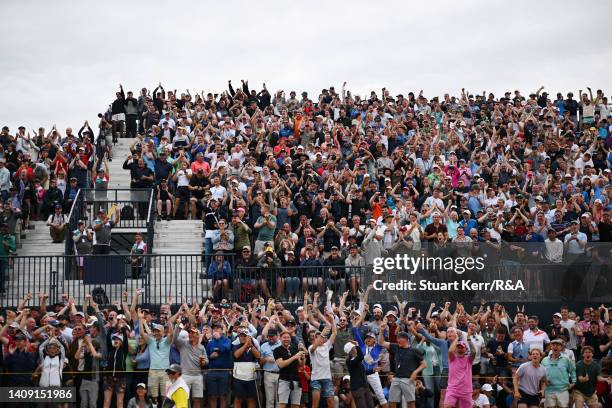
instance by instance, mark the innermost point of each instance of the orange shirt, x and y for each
(376, 210)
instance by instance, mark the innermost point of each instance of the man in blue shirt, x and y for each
(518, 350)
(159, 353)
(268, 363)
(371, 351)
(473, 201)
(219, 350)
(467, 223)
(246, 354)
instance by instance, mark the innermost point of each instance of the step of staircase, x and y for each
(177, 276)
(120, 178)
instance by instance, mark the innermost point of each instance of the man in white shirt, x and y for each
(534, 337)
(435, 199)
(572, 328)
(554, 247)
(321, 377)
(167, 119)
(583, 161)
(217, 191)
(389, 231)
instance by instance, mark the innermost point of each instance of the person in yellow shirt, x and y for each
(177, 391)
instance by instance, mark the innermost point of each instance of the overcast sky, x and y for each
(62, 61)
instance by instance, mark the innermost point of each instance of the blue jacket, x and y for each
(224, 347)
(374, 353)
(442, 344)
(215, 273)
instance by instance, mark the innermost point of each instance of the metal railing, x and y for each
(151, 218)
(196, 277)
(137, 207)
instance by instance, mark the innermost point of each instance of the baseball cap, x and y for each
(174, 368)
(487, 388)
(557, 315)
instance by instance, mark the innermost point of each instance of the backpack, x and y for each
(127, 213)
(98, 295)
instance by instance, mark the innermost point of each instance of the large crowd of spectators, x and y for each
(328, 183)
(339, 179)
(325, 353)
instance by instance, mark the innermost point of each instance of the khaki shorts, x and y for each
(288, 396)
(195, 384)
(338, 368)
(586, 399)
(157, 383)
(401, 387)
(557, 399)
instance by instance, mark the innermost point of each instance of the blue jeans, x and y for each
(292, 286)
(324, 386)
(208, 250)
(432, 383)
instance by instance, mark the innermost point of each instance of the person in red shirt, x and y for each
(60, 163)
(304, 373)
(25, 167)
(200, 163)
(281, 146)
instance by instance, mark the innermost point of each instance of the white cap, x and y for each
(487, 387)
(348, 347)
